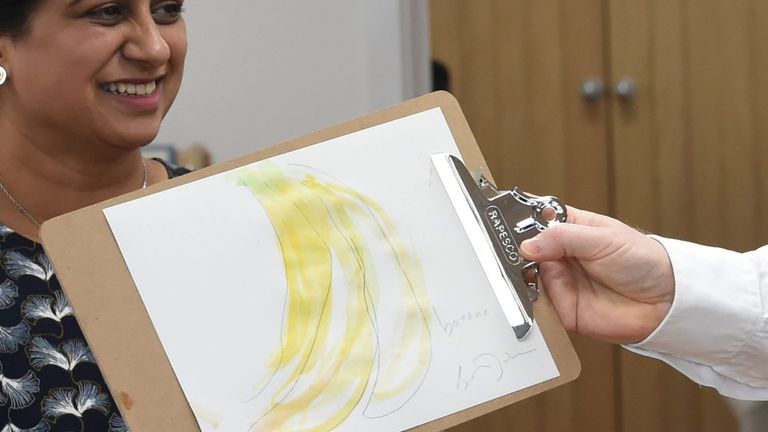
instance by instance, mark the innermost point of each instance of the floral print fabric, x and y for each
(49, 380)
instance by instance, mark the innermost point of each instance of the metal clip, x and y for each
(498, 222)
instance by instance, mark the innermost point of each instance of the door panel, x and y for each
(682, 158)
(516, 68)
(687, 160)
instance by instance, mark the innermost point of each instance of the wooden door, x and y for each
(516, 68)
(688, 150)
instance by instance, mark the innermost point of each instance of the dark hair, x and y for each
(14, 16)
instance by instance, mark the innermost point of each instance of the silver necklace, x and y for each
(31, 218)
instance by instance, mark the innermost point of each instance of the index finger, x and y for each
(583, 217)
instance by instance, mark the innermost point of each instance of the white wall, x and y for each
(260, 72)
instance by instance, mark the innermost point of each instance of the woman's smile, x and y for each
(124, 63)
(141, 94)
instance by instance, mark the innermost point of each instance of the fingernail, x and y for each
(530, 247)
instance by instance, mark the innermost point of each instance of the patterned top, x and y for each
(49, 380)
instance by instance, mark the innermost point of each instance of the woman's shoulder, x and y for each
(11, 240)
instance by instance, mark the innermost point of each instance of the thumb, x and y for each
(569, 240)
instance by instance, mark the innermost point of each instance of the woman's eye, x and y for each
(111, 14)
(167, 13)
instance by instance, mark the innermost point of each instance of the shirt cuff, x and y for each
(708, 376)
(716, 307)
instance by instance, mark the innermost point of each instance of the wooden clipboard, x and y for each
(119, 330)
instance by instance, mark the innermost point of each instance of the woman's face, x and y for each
(95, 70)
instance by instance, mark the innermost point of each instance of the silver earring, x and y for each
(3, 75)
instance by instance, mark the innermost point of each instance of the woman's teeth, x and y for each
(128, 89)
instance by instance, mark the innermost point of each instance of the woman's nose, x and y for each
(146, 43)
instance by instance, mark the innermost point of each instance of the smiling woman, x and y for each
(84, 84)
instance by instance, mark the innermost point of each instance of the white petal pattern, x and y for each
(8, 294)
(12, 337)
(117, 424)
(5, 231)
(42, 353)
(38, 307)
(69, 354)
(90, 396)
(20, 392)
(59, 403)
(63, 401)
(61, 307)
(17, 265)
(41, 427)
(77, 352)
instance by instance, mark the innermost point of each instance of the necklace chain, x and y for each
(31, 218)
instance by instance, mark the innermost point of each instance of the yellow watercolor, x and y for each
(328, 370)
(206, 415)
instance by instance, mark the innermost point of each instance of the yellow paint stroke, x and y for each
(206, 415)
(323, 373)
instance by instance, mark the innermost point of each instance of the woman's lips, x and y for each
(143, 95)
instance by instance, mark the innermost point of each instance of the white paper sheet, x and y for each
(210, 267)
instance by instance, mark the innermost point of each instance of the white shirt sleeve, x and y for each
(716, 332)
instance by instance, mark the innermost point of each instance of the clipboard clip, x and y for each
(497, 222)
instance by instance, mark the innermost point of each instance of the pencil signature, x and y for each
(486, 366)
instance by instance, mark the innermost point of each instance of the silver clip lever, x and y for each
(506, 219)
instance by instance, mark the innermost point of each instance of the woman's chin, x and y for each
(133, 138)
